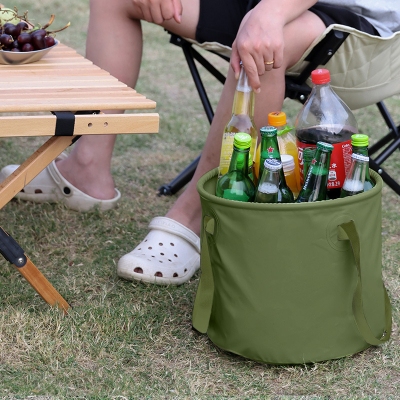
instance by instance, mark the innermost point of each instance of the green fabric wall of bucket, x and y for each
(292, 283)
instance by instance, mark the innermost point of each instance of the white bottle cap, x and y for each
(287, 162)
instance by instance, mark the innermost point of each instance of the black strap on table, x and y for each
(65, 123)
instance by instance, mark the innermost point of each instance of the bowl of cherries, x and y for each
(22, 42)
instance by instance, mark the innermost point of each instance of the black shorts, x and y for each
(219, 20)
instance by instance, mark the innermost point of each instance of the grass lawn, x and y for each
(131, 340)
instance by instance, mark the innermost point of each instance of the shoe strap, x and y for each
(171, 226)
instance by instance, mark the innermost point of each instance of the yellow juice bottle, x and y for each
(241, 121)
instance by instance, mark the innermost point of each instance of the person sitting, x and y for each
(267, 36)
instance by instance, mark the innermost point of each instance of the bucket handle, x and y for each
(348, 231)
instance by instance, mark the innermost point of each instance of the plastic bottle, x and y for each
(354, 182)
(325, 117)
(359, 144)
(286, 139)
(241, 121)
(271, 188)
(290, 173)
(236, 183)
(315, 185)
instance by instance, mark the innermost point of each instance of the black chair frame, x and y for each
(296, 89)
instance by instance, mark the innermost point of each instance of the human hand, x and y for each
(158, 11)
(259, 45)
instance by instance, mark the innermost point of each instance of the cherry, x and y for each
(27, 47)
(24, 37)
(49, 41)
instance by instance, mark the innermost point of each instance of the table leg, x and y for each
(37, 162)
(42, 286)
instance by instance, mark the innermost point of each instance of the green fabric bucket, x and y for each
(292, 283)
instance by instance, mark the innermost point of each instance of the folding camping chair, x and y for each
(365, 70)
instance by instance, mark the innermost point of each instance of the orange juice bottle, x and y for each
(286, 140)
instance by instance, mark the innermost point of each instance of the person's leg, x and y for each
(112, 24)
(187, 208)
(141, 263)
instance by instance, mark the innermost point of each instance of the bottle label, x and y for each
(226, 152)
(339, 165)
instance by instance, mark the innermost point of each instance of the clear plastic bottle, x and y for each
(242, 120)
(286, 139)
(325, 117)
(290, 173)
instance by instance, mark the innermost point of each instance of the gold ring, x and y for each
(269, 62)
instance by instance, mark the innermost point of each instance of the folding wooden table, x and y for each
(60, 96)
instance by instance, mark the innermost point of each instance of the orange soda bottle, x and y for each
(286, 142)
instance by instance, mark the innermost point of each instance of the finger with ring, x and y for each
(269, 62)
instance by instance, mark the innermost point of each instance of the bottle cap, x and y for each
(287, 162)
(324, 146)
(308, 153)
(268, 131)
(320, 76)
(277, 118)
(242, 140)
(272, 164)
(360, 157)
(359, 140)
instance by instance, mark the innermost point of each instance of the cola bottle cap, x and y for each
(320, 76)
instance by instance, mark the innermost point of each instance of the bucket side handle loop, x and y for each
(348, 231)
(205, 292)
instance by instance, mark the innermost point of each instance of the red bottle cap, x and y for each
(320, 76)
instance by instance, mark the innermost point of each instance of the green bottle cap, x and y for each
(242, 140)
(324, 146)
(268, 131)
(359, 140)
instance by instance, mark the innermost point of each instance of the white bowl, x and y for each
(23, 57)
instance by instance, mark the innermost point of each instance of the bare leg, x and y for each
(187, 208)
(86, 169)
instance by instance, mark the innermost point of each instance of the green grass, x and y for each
(131, 340)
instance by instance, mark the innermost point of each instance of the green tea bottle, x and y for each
(359, 144)
(315, 184)
(271, 188)
(355, 178)
(236, 183)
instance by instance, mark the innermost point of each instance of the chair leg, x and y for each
(191, 55)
